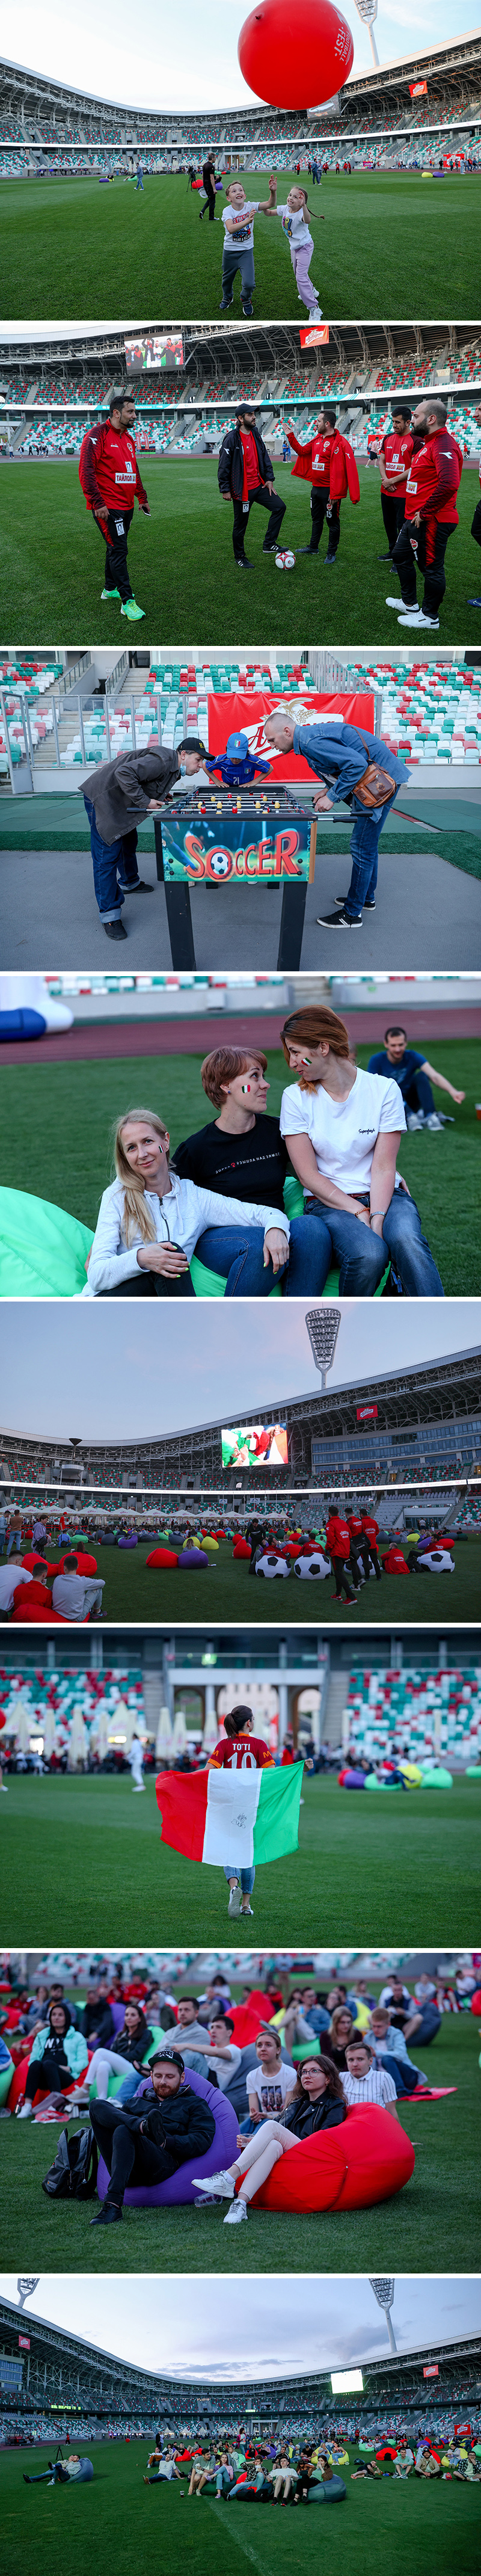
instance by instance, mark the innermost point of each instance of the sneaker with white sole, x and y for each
(395, 603)
(24, 2111)
(221, 2183)
(236, 2213)
(434, 1123)
(414, 1120)
(234, 1901)
(247, 1909)
(425, 625)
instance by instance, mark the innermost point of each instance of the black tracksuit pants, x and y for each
(373, 1557)
(276, 509)
(210, 204)
(342, 1577)
(129, 2157)
(319, 506)
(117, 528)
(476, 524)
(432, 538)
(393, 506)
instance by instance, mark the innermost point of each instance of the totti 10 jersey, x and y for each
(242, 1753)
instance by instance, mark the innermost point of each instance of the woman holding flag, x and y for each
(241, 1750)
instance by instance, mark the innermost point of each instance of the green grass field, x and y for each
(73, 249)
(116, 2520)
(404, 2234)
(67, 1159)
(79, 1856)
(183, 572)
(229, 1593)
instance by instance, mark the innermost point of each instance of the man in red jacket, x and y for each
(431, 515)
(339, 1545)
(329, 464)
(476, 522)
(394, 459)
(371, 1534)
(110, 479)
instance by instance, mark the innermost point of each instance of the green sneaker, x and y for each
(110, 594)
(129, 609)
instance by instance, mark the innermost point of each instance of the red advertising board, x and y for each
(314, 335)
(418, 89)
(24, 2343)
(432, 2371)
(366, 1413)
(246, 713)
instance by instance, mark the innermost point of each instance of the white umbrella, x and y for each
(23, 1726)
(211, 1733)
(179, 1739)
(163, 1740)
(78, 1740)
(100, 1734)
(47, 1722)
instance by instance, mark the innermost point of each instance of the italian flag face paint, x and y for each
(241, 1816)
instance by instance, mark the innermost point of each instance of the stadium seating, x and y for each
(406, 1712)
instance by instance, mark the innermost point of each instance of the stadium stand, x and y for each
(407, 1712)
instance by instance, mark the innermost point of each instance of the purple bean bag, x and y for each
(354, 1780)
(128, 1542)
(180, 2185)
(118, 2014)
(192, 1556)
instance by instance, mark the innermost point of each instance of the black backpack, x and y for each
(73, 2175)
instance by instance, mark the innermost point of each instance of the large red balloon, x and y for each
(295, 53)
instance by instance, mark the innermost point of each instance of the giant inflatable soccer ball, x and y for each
(316, 1566)
(436, 1561)
(295, 53)
(271, 1565)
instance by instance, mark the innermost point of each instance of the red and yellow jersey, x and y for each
(396, 453)
(241, 1753)
(434, 478)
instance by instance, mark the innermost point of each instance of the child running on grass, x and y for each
(293, 216)
(238, 253)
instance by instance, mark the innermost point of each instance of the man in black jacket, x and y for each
(120, 794)
(166, 2128)
(97, 2018)
(246, 474)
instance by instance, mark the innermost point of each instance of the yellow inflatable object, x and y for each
(411, 1771)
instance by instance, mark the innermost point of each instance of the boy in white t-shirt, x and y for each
(343, 1129)
(293, 216)
(238, 253)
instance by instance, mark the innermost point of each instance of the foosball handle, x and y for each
(179, 917)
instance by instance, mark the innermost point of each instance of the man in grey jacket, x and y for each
(121, 793)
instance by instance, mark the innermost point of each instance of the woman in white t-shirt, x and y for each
(343, 1128)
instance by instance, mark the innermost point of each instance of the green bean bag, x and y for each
(5, 2080)
(208, 1283)
(437, 1778)
(43, 1251)
(332, 2493)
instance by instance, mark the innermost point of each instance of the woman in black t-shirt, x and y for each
(241, 1153)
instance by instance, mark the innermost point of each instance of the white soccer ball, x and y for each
(307, 1566)
(437, 1562)
(271, 1565)
(285, 560)
(220, 864)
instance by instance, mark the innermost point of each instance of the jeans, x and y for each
(130, 2158)
(234, 260)
(267, 501)
(14, 1541)
(240, 1259)
(129, 2088)
(114, 866)
(245, 1877)
(415, 1091)
(404, 2075)
(363, 1255)
(365, 838)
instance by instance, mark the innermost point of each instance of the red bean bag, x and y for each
(35, 1614)
(34, 1558)
(241, 1547)
(366, 2160)
(249, 2018)
(86, 1564)
(162, 1556)
(476, 2001)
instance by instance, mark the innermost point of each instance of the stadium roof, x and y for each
(450, 55)
(411, 1380)
(210, 348)
(54, 2345)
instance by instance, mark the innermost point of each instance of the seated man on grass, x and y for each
(148, 2142)
(74, 1595)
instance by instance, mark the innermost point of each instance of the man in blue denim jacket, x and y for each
(339, 753)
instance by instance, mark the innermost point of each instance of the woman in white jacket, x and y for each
(150, 1223)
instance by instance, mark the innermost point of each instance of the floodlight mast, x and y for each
(367, 11)
(323, 1326)
(27, 2282)
(384, 2293)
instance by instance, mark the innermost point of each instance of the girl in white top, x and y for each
(343, 1127)
(295, 216)
(149, 1220)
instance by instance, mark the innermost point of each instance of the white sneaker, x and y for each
(25, 2112)
(414, 1119)
(416, 617)
(393, 603)
(234, 2215)
(434, 1123)
(221, 2183)
(316, 315)
(234, 1905)
(247, 1909)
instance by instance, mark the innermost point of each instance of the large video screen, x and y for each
(255, 1444)
(159, 349)
(343, 2380)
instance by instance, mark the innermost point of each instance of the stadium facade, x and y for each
(48, 115)
(422, 1418)
(61, 2374)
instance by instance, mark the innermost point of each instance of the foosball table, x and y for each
(252, 834)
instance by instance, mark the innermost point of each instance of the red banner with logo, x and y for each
(418, 89)
(24, 2343)
(314, 335)
(366, 1413)
(246, 713)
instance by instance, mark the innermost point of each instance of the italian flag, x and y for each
(241, 1816)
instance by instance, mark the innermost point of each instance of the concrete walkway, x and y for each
(427, 914)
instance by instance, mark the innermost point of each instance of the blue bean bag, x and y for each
(128, 1542)
(333, 2493)
(180, 2186)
